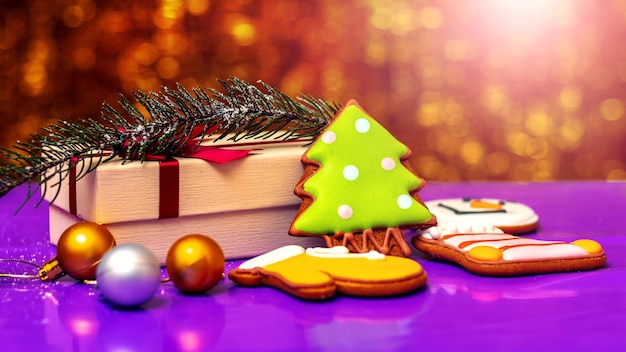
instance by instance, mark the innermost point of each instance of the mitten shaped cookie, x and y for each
(319, 273)
(485, 250)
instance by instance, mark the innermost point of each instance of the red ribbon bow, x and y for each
(169, 198)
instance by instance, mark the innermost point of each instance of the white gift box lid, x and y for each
(119, 192)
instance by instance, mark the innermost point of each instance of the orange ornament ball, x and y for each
(81, 247)
(195, 263)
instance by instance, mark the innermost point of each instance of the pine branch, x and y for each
(174, 116)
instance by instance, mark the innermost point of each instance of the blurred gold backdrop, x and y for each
(479, 90)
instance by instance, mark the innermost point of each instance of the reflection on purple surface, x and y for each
(568, 311)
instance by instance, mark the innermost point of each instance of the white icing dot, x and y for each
(329, 137)
(362, 125)
(404, 201)
(350, 172)
(345, 211)
(388, 164)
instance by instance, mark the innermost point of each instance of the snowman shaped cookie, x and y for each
(510, 217)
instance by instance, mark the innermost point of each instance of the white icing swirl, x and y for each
(449, 228)
(342, 252)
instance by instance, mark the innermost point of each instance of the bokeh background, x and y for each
(479, 90)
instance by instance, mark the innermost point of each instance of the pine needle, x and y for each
(174, 116)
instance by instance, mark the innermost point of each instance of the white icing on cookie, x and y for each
(515, 248)
(388, 164)
(350, 172)
(342, 252)
(326, 250)
(447, 228)
(345, 211)
(554, 251)
(496, 212)
(272, 257)
(405, 201)
(362, 125)
(289, 251)
(329, 137)
(509, 242)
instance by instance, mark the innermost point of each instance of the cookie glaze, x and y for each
(319, 273)
(512, 217)
(486, 250)
(361, 182)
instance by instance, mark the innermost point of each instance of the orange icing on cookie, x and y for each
(518, 248)
(462, 245)
(477, 203)
(458, 239)
(485, 253)
(591, 246)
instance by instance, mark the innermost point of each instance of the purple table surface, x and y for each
(553, 312)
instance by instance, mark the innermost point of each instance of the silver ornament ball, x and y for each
(128, 275)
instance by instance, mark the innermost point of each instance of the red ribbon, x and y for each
(169, 198)
(169, 193)
(72, 185)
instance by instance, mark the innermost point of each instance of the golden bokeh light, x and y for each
(612, 109)
(481, 90)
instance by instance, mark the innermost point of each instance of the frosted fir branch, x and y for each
(174, 117)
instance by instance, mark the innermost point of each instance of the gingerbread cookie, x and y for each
(491, 252)
(319, 273)
(358, 189)
(510, 217)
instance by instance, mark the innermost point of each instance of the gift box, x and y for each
(246, 205)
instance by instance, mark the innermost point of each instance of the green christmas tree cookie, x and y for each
(358, 189)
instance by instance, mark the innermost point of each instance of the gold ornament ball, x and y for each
(195, 263)
(81, 247)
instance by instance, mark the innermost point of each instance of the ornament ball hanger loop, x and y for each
(79, 250)
(22, 276)
(49, 271)
(45, 272)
